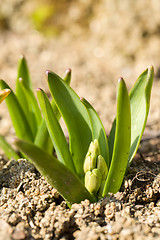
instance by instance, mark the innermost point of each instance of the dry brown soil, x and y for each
(100, 41)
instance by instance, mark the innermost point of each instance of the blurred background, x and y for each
(99, 40)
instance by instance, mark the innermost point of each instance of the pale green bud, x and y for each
(94, 147)
(93, 180)
(95, 168)
(102, 166)
(90, 161)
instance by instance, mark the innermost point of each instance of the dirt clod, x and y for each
(31, 209)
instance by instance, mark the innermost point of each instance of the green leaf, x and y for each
(55, 130)
(57, 174)
(23, 73)
(140, 102)
(67, 76)
(19, 121)
(122, 141)
(76, 118)
(8, 150)
(42, 138)
(111, 139)
(98, 131)
(35, 117)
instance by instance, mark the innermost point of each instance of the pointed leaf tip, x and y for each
(21, 56)
(150, 67)
(48, 72)
(120, 79)
(39, 89)
(68, 70)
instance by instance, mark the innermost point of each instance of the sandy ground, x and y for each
(100, 42)
(119, 40)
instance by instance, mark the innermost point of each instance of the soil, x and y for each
(100, 42)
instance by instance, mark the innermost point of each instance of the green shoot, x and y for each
(24, 110)
(90, 165)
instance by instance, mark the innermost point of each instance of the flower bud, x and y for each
(102, 166)
(94, 147)
(91, 156)
(93, 180)
(90, 162)
(95, 168)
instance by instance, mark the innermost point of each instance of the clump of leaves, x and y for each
(91, 165)
(25, 113)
